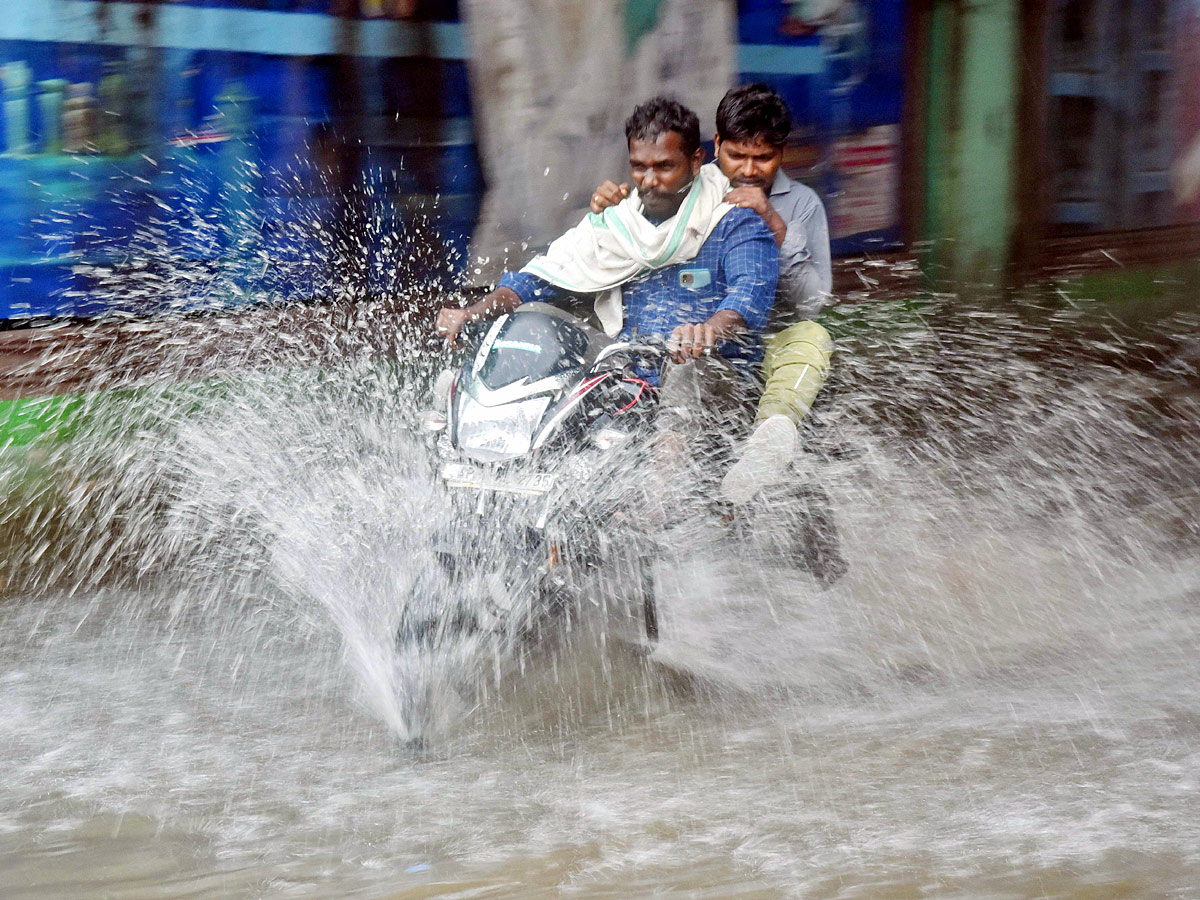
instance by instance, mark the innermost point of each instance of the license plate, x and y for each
(460, 476)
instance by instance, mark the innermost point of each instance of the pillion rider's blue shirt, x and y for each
(737, 268)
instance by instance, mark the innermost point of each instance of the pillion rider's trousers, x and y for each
(708, 403)
(707, 394)
(795, 367)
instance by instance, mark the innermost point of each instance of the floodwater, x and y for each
(999, 700)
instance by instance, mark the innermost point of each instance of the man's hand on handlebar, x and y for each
(450, 322)
(692, 341)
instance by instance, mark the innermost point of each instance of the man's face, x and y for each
(749, 163)
(662, 172)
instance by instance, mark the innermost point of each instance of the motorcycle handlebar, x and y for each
(653, 351)
(473, 330)
(655, 346)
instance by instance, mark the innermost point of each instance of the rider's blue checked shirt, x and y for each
(737, 268)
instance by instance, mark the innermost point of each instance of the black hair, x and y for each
(660, 115)
(753, 112)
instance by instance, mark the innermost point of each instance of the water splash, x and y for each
(204, 582)
(1005, 459)
(1007, 455)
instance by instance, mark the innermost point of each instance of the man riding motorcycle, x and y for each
(688, 266)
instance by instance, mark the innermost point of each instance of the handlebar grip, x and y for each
(656, 345)
(472, 332)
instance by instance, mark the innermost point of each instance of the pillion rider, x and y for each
(688, 266)
(753, 123)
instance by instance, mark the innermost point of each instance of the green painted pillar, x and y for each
(971, 147)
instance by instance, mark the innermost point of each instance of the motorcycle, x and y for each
(543, 426)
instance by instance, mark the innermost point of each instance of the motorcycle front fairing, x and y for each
(509, 397)
(533, 418)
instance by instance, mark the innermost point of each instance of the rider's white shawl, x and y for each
(606, 250)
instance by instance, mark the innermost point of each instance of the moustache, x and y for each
(663, 195)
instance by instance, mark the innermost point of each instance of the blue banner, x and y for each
(203, 152)
(840, 65)
(208, 153)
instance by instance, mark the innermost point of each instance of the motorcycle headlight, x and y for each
(494, 433)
